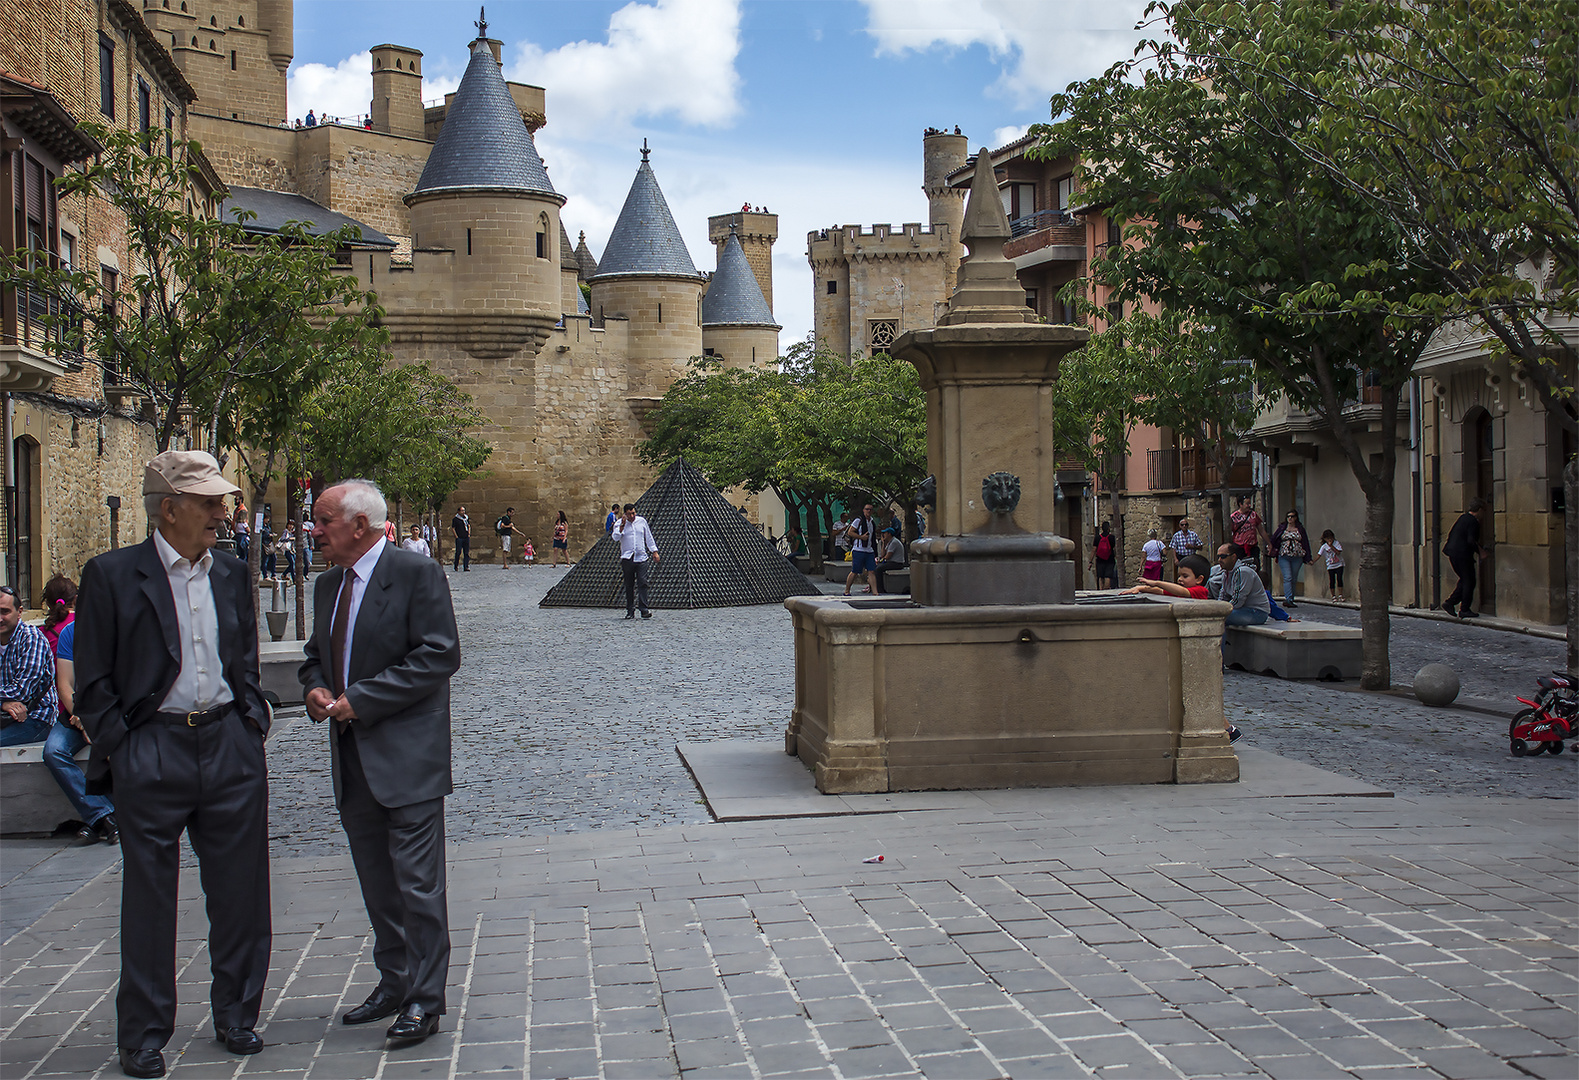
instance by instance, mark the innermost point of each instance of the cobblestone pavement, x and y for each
(1140, 932)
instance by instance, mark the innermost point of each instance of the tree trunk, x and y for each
(1571, 561)
(438, 533)
(1120, 564)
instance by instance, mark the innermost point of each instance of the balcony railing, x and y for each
(47, 323)
(1042, 219)
(1190, 469)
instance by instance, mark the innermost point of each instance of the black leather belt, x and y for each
(200, 718)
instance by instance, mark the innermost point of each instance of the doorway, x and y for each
(25, 450)
(1480, 483)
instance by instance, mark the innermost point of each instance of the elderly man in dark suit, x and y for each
(168, 691)
(378, 667)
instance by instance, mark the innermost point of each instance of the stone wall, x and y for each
(364, 174)
(742, 346)
(756, 233)
(885, 274)
(493, 238)
(222, 47)
(665, 328)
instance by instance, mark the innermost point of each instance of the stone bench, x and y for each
(278, 662)
(1300, 650)
(30, 800)
(897, 582)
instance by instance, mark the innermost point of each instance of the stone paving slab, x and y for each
(748, 780)
(1139, 932)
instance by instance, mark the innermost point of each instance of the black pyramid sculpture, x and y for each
(711, 556)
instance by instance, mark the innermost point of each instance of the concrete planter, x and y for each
(905, 698)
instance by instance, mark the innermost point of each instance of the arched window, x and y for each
(397, 65)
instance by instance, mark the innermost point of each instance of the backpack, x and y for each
(1104, 548)
(500, 527)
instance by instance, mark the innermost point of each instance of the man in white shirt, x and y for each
(863, 552)
(416, 543)
(636, 544)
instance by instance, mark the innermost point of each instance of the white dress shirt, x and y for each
(635, 539)
(356, 578)
(201, 683)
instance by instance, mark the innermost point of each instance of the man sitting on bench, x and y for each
(1240, 586)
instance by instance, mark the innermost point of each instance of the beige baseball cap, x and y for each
(186, 472)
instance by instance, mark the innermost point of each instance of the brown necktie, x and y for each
(337, 634)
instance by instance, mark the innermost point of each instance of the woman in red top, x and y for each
(561, 539)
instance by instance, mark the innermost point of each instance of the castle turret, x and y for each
(647, 276)
(755, 230)
(571, 300)
(277, 19)
(941, 154)
(737, 323)
(397, 91)
(485, 196)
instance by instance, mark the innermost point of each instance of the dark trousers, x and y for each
(1464, 591)
(211, 783)
(635, 584)
(463, 550)
(399, 857)
(882, 568)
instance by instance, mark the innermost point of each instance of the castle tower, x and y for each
(234, 55)
(397, 91)
(941, 154)
(584, 259)
(485, 196)
(737, 323)
(571, 301)
(755, 231)
(647, 276)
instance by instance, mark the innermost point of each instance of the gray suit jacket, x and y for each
(404, 648)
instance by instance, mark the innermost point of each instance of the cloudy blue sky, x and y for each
(811, 108)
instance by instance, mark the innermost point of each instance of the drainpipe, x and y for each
(10, 493)
(1436, 497)
(1415, 510)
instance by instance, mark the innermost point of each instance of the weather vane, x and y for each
(482, 22)
(644, 151)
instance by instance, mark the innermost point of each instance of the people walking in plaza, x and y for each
(1185, 541)
(562, 538)
(1246, 529)
(636, 544)
(415, 543)
(1153, 551)
(287, 544)
(1332, 553)
(1464, 553)
(608, 522)
(1104, 557)
(861, 533)
(893, 556)
(166, 664)
(528, 552)
(27, 676)
(243, 531)
(1240, 586)
(387, 691)
(1292, 545)
(841, 536)
(66, 739)
(461, 526)
(267, 550)
(504, 529)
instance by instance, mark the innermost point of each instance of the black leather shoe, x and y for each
(630, 614)
(379, 1004)
(239, 1040)
(1451, 610)
(646, 614)
(414, 1025)
(1468, 614)
(107, 830)
(84, 836)
(143, 1063)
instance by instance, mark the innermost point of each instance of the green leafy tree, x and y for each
(206, 307)
(1457, 122)
(1225, 221)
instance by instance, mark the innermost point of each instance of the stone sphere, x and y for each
(1436, 684)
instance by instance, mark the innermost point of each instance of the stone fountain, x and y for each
(995, 675)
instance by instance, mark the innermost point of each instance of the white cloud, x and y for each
(1005, 135)
(345, 90)
(1042, 45)
(666, 58)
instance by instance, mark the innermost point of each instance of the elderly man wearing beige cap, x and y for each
(168, 691)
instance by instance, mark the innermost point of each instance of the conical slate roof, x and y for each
(584, 259)
(484, 143)
(567, 254)
(733, 297)
(645, 239)
(710, 555)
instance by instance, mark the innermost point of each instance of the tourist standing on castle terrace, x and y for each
(636, 543)
(387, 691)
(461, 526)
(166, 657)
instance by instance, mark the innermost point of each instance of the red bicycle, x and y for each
(1552, 717)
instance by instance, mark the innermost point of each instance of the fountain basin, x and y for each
(910, 698)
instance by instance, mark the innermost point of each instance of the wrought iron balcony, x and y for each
(1190, 469)
(1042, 219)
